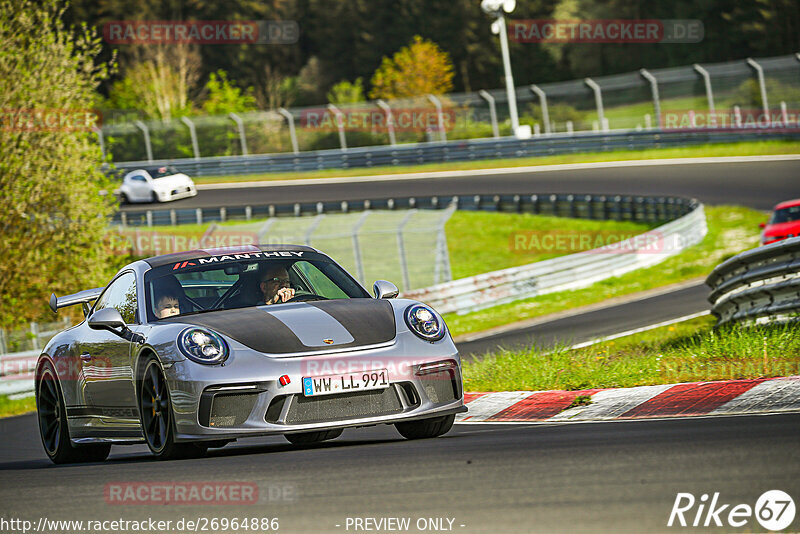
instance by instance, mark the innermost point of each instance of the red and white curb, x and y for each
(729, 397)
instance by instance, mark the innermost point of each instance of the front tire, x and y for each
(155, 410)
(52, 418)
(305, 438)
(426, 428)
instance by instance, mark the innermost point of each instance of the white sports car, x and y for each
(159, 184)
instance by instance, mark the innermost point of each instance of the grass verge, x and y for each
(753, 148)
(9, 407)
(690, 351)
(480, 242)
(731, 229)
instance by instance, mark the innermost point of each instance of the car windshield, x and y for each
(785, 215)
(162, 172)
(189, 287)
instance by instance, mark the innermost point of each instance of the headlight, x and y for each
(203, 346)
(423, 322)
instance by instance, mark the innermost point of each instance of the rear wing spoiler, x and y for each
(81, 297)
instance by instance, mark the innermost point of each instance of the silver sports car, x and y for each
(193, 350)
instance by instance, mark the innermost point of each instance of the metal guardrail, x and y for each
(458, 150)
(16, 373)
(758, 286)
(599, 207)
(567, 272)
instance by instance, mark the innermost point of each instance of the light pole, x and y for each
(497, 8)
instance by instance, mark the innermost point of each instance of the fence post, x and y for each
(35, 339)
(440, 116)
(292, 134)
(148, 147)
(3, 344)
(193, 134)
(543, 104)
(389, 120)
(784, 114)
(401, 249)
(198, 213)
(441, 268)
(598, 100)
(262, 232)
(240, 125)
(313, 227)
(762, 85)
(707, 82)
(339, 125)
(356, 248)
(100, 139)
(492, 111)
(654, 90)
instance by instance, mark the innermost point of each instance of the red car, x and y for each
(784, 223)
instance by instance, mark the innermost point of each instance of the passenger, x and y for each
(167, 305)
(275, 285)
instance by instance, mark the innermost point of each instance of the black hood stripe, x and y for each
(368, 321)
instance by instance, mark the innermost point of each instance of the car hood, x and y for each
(171, 182)
(782, 229)
(302, 326)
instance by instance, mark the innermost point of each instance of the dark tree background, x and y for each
(346, 39)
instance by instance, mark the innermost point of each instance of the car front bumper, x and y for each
(245, 398)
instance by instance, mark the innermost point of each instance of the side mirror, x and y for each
(762, 225)
(111, 320)
(384, 290)
(106, 319)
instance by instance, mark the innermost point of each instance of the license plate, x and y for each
(332, 384)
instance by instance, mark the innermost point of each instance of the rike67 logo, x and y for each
(774, 510)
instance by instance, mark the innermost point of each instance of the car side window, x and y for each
(138, 178)
(121, 294)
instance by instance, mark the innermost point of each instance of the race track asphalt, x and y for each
(594, 324)
(596, 477)
(759, 185)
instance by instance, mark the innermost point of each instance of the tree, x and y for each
(224, 97)
(418, 69)
(159, 82)
(345, 92)
(54, 218)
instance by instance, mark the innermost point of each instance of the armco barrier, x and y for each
(565, 272)
(600, 207)
(16, 373)
(458, 150)
(758, 286)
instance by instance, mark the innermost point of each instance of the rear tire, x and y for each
(304, 438)
(155, 412)
(52, 417)
(426, 428)
(123, 199)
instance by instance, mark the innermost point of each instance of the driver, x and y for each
(275, 285)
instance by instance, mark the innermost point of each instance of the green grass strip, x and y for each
(690, 351)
